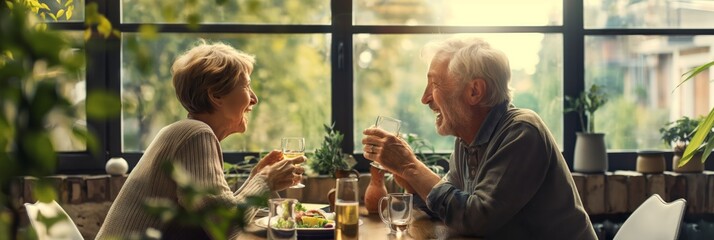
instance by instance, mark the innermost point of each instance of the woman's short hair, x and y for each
(208, 68)
(473, 58)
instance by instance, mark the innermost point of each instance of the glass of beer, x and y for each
(293, 147)
(397, 211)
(347, 209)
(391, 125)
(281, 221)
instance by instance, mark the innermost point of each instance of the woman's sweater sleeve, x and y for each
(201, 158)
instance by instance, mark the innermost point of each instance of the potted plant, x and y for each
(590, 151)
(702, 139)
(678, 135)
(329, 158)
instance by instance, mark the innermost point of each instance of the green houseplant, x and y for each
(678, 135)
(590, 151)
(702, 139)
(329, 158)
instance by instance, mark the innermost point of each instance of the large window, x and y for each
(639, 51)
(294, 99)
(347, 61)
(640, 74)
(390, 78)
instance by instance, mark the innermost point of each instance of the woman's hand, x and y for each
(269, 159)
(284, 174)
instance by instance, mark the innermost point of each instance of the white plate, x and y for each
(263, 223)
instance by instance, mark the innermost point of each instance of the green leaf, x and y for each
(148, 31)
(53, 16)
(68, 3)
(38, 151)
(707, 150)
(87, 34)
(691, 73)
(44, 191)
(43, 100)
(70, 9)
(88, 138)
(50, 221)
(102, 104)
(60, 13)
(193, 20)
(44, 6)
(104, 27)
(703, 130)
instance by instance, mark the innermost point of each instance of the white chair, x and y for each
(62, 229)
(653, 220)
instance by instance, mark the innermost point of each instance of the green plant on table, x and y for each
(329, 157)
(702, 140)
(585, 105)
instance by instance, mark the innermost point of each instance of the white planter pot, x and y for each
(116, 166)
(590, 153)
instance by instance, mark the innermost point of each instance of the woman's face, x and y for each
(237, 104)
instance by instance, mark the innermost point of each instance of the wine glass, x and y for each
(293, 147)
(391, 125)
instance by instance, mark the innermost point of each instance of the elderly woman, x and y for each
(212, 82)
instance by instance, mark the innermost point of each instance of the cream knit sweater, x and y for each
(193, 146)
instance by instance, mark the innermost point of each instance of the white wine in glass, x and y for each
(391, 125)
(293, 147)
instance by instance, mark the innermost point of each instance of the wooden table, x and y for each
(422, 227)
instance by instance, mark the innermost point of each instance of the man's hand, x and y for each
(392, 152)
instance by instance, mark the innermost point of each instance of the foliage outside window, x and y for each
(294, 98)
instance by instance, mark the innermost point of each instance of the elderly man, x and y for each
(507, 178)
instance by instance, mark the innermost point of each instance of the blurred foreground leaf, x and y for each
(102, 104)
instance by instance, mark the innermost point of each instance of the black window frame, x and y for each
(104, 72)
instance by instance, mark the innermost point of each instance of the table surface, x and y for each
(421, 227)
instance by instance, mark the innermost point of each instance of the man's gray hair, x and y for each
(473, 58)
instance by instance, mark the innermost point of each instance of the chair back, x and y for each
(655, 219)
(61, 225)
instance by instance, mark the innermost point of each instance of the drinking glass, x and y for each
(398, 211)
(391, 125)
(347, 209)
(293, 147)
(281, 221)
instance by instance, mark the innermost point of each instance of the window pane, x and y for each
(248, 11)
(73, 88)
(640, 74)
(61, 11)
(390, 80)
(291, 79)
(648, 14)
(459, 12)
